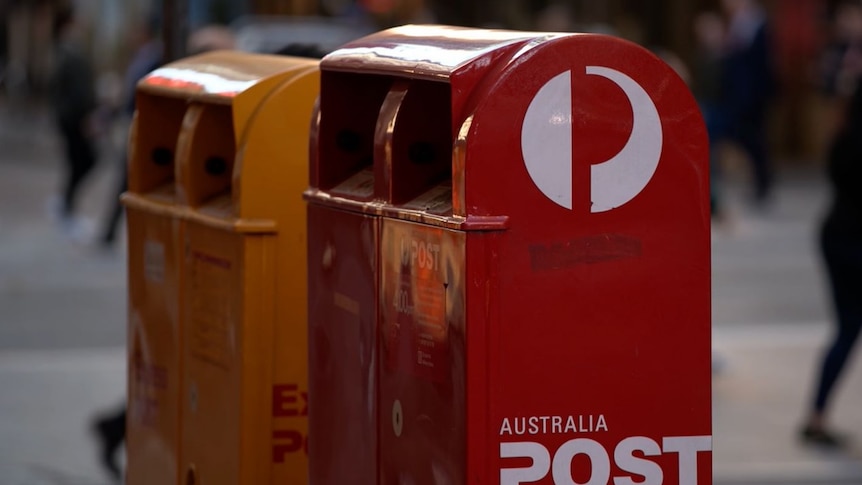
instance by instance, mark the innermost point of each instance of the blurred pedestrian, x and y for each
(110, 431)
(841, 246)
(147, 57)
(838, 66)
(709, 33)
(210, 38)
(110, 428)
(747, 86)
(73, 97)
(310, 51)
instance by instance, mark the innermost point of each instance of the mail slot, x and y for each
(509, 282)
(217, 371)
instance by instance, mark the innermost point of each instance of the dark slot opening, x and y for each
(421, 141)
(349, 106)
(154, 141)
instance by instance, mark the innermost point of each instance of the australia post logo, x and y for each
(546, 144)
(632, 460)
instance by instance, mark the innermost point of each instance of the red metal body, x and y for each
(530, 213)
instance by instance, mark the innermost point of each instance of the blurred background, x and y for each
(800, 29)
(62, 272)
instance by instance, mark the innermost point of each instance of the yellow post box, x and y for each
(217, 274)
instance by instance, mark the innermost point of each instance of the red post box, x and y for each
(509, 265)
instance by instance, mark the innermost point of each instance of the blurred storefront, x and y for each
(799, 32)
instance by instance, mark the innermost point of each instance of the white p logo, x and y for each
(546, 144)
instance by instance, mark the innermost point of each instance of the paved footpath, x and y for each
(62, 314)
(758, 400)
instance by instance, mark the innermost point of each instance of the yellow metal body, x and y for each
(217, 276)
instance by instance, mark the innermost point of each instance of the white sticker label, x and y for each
(154, 261)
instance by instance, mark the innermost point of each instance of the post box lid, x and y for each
(219, 76)
(433, 52)
(240, 80)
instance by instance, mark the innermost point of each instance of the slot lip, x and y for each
(227, 223)
(323, 197)
(162, 194)
(470, 223)
(359, 186)
(158, 204)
